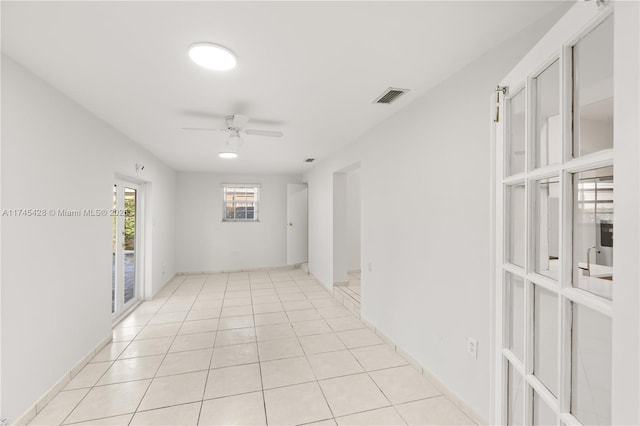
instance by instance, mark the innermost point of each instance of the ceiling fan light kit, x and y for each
(235, 125)
(231, 148)
(215, 57)
(228, 155)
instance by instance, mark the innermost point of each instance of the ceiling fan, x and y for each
(236, 125)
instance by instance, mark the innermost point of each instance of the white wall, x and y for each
(56, 275)
(429, 283)
(353, 219)
(205, 243)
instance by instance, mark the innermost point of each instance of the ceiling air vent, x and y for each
(390, 95)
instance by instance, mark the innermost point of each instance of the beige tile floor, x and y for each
(250, 348)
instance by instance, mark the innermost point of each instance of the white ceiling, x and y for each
(309, 69)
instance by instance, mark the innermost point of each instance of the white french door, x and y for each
(554, 224)
(125, 274)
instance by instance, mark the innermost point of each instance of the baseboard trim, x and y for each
(153, 296)
(42, 402)
(256, 269)
(422, 370)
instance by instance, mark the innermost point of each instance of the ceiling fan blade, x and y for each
(271, 133)
(201, 128)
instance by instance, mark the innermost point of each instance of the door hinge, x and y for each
(501, 91)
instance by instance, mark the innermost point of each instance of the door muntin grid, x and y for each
(550, 385)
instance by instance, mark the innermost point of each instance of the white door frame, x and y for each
(293, 258)
(121, 308)
(339, 261)
(557, 43)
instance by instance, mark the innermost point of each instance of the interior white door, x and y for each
(297, 220)
(554, 227)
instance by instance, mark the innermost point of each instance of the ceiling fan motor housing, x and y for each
(236, 121)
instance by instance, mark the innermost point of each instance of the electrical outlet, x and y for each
(164, 269)
(472, 347)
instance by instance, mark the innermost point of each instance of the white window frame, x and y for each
(256, 202)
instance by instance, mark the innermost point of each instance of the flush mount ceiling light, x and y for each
(212, 56)
(231, 149)
(228, 155)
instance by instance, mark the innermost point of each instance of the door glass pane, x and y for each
(114, 245)
(515, 224)
(593, 231)
(545, 335)
(515, 299)
(548, 126)
(130, 207)
(515, 391)
(516, 139)
(591, 366)
(543, 415)
(547, 233)
(593, 91)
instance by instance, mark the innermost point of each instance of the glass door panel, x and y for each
(114, 245)
(591, 366)
(125, 247)
(130, 208)
(593, 91)
(547, 227)
(515, 224)
(593, 231)
(517, 134)
(548, 128)
(543, 415)
(515, 390)
(545, 334)
(515, 301)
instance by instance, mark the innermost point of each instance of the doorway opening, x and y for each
(297, 224)
(347, 216)
(127, 259)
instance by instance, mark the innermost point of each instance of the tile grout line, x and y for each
(166, 353)
(255, 341)
(92, 387)
(215, 338)
(264, 400)
(306, 356)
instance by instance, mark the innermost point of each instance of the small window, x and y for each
(240, 203)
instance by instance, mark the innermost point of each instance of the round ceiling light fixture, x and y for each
(228, 155)
(212, 56)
